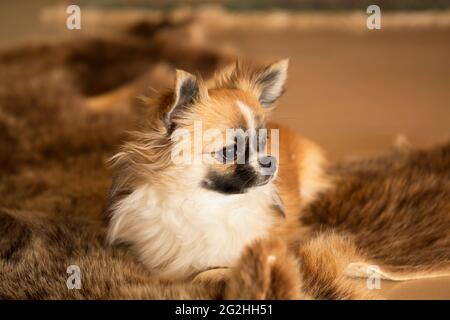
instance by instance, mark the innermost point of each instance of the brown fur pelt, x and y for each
(392, 211)
(396, 208)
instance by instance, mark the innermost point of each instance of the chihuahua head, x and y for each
(213, 136)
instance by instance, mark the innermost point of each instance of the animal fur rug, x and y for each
(391, 211)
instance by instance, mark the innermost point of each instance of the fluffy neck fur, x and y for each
(179, 233)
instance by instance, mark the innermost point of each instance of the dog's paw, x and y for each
(216, 275)
(264, 271)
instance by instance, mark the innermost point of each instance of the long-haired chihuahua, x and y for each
(198, 184)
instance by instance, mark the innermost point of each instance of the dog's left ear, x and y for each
(269, 82)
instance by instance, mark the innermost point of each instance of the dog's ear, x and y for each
(266, 83)
(269, 83)
(188, 89)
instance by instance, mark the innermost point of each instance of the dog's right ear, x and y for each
(188, 89)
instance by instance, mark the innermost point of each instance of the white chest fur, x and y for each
(176, 234)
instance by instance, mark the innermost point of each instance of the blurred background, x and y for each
(355, 91)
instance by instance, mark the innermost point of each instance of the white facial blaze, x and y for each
(251, 130)
(248, 115)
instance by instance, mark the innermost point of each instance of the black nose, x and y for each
(267, 162)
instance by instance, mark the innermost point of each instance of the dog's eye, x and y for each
(228, 154)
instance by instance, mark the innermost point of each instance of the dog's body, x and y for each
(189, 217)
